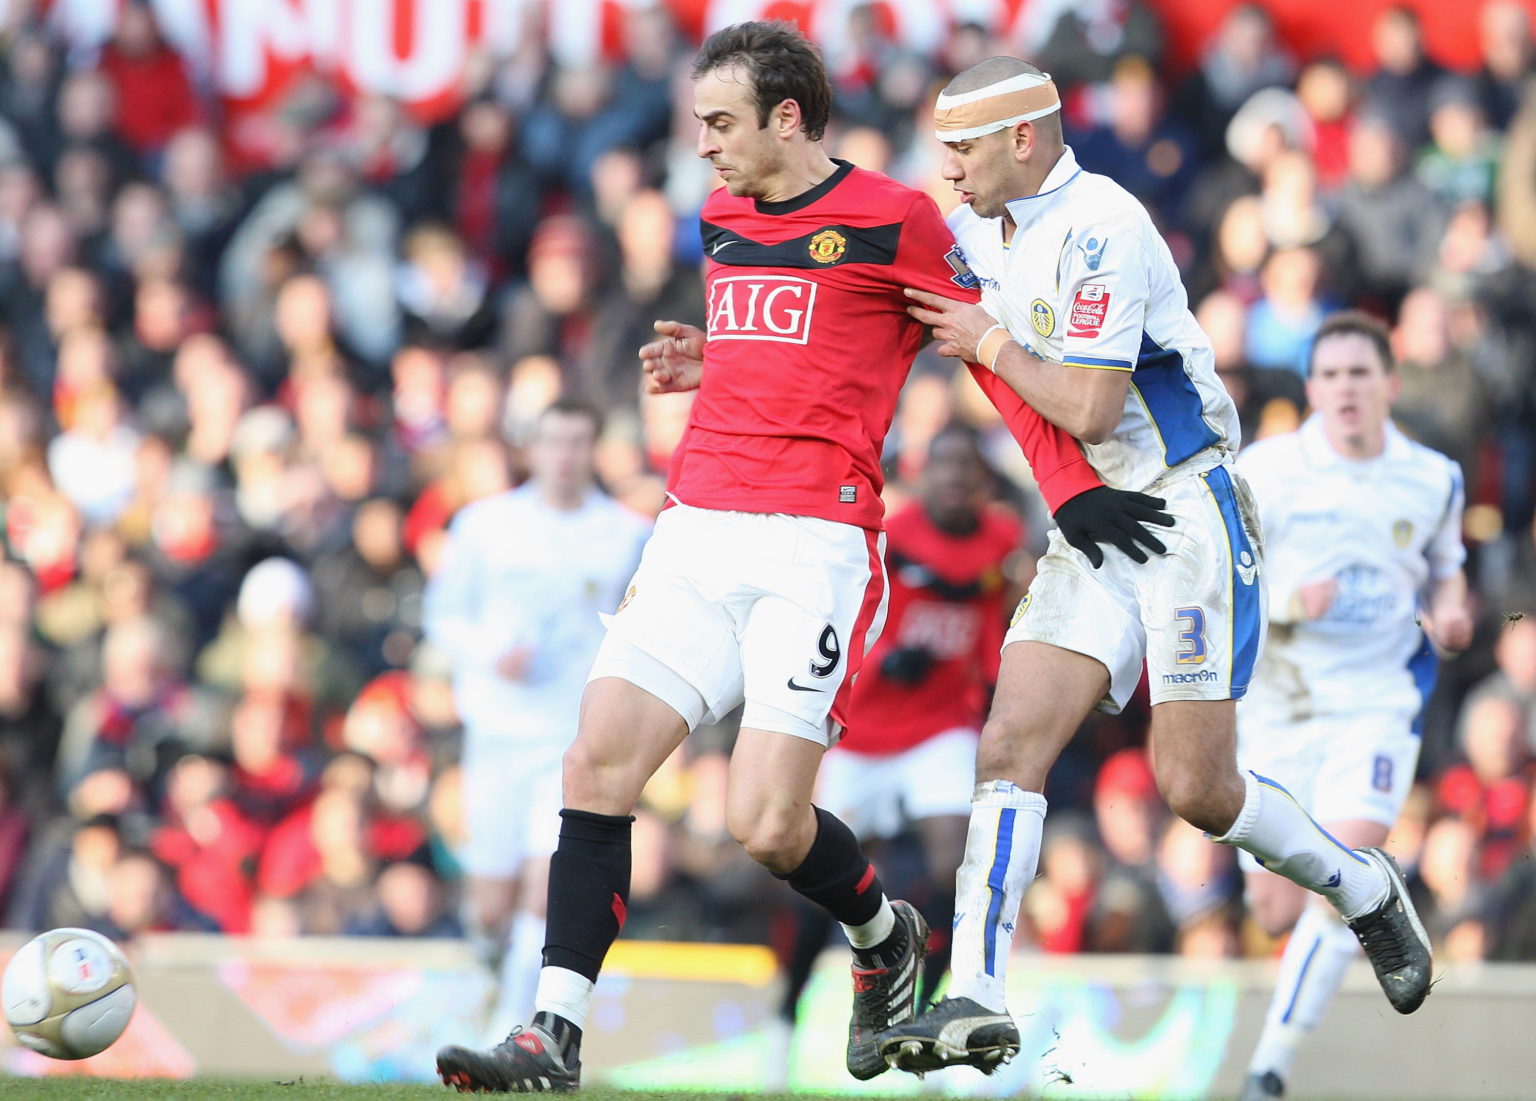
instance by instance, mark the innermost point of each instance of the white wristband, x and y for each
(990, 346)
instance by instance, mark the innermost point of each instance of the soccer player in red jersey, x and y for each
(764, 581)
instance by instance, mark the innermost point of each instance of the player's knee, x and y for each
(1195, 798)
(598, 782)
(770, 838)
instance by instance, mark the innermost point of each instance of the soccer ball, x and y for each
(68, 993)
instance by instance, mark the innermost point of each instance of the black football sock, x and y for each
(588, 890)
(838, 877)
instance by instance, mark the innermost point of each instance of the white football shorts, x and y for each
(1340, 768)
(878, 795)
(512, 800)
(774, 610)
(1196, 615)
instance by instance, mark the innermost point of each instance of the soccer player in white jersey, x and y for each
(1359, 524)
(516, 603)
(1083, 315)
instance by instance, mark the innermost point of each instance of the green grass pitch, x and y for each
(208, 1089)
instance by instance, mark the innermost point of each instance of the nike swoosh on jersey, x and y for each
(803, 687)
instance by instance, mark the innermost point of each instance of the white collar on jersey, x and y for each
(1024, 211)
(1320, 453)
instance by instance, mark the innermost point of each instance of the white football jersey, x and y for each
(1382, 528)
(1088, 281)
(517, 573)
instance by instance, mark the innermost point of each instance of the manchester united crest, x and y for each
(828, 246)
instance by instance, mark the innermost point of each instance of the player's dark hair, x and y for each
(1355, 323)
(781, 63)
(576, 407)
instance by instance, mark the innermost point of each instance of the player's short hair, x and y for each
(1355, 323)
(781, 63)
(573, 407)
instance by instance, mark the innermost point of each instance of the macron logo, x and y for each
(1203, 676)
(761, 307)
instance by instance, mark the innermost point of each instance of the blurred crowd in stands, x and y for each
(240, 401)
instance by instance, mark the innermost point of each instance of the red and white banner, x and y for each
(415, 50)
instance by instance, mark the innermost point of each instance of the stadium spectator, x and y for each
(1461, 160)
(1129, 913)
(1242, 58)
(1508, 57)
(1282, 321)
(1405, 75)
(1444, 402)
(150, 85)
(1391, 219)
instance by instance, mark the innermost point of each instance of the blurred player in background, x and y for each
(764, 581)
(1084, 316)
(1361, 524)
(516, 604)
(908, 759)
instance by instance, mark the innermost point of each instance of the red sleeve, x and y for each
(928, 258)
(1060, 469)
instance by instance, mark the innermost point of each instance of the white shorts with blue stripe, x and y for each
(1196, 615)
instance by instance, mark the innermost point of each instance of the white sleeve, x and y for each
(1445, 551)
(1103, 298)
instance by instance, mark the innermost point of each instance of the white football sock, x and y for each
(1002, 847)
(564, 993)
(1320, 951)
(875, 930)
(1273, 827)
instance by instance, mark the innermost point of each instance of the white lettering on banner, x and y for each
(253, 31)
(250, 48)
(761, 307)
(438, 38)
(921, 25)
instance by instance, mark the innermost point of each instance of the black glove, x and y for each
(907, 665)
(1112, 516)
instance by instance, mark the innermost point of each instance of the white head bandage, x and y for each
(1006, 103)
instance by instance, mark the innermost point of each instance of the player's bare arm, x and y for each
(675, 362)
(1084, 402)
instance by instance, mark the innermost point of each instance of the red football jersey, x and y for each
(947, 594)
(809, 344)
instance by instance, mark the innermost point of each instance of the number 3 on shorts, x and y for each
(1192, 639)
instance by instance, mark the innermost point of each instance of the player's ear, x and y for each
(1023, 141)
(785, 119)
